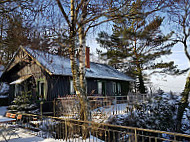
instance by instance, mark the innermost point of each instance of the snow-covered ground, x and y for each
(150, 114)
(28, 136)
(101, 114)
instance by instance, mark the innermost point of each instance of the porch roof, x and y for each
(21, 79)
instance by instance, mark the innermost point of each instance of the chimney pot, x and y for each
(87, 58)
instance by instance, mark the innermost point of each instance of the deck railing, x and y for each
(101, 107)
(75, 130)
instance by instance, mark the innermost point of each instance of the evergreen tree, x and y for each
(24, 103)
(137, 45)
(14, 36)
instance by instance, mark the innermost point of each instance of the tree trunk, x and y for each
(72, 52)
(141, 86)
(183, 104)
(84, 111)
(82, 78)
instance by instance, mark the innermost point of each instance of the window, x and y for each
(119, 88)
(102, 88)
(41, 89)
(72, 90)
(116, 88)
(99, 87)
(18, 89)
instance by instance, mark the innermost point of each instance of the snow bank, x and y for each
(4, 88)
(2, 111)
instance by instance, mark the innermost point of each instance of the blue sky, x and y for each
(173, 83)
(166, 83)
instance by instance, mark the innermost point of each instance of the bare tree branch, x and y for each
(63, 12)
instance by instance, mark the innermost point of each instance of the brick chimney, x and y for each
(87, 57)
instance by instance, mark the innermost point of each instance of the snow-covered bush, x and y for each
(158, 113)
(23, 103)
(4, 88)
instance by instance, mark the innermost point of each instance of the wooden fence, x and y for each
(76, 130)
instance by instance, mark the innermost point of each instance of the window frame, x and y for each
(38, 88)
(116, 88)
(119, 88)
(71, 87)
(102, 89)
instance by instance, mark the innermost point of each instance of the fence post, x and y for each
(41, 108)
(135, 135)
(65, 129)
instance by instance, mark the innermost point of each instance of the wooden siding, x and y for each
(92, 85)
(58, 86)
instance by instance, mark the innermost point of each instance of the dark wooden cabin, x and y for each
(47, 76)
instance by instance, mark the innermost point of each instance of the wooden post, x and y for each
(54, 101)
(41, 109)
(135, 135)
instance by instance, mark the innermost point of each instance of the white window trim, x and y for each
(119, 88)
(72, 90)
(16, 90)
(114, 88)
(99, 87)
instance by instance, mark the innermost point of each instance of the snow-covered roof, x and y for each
(59, 65)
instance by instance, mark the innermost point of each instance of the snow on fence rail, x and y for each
(75, 130)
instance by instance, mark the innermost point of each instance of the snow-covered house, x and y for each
(48, 76)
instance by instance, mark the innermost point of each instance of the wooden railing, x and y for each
(101, 107)
(74, 130)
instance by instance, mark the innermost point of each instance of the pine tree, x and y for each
(137, 45)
